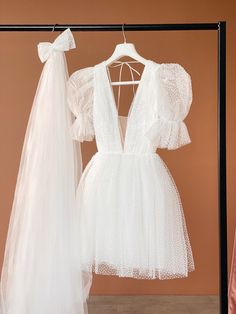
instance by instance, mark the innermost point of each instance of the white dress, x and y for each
(131, 219)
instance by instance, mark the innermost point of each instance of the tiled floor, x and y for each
(153, 304)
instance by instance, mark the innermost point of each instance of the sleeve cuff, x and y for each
(170, 134)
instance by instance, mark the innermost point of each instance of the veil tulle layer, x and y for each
(41, 271)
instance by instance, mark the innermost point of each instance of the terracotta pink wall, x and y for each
(194, 167)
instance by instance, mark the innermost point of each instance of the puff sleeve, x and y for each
(174, 98)
(80, 94)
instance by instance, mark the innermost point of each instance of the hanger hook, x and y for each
(123, 31)
(54, 27)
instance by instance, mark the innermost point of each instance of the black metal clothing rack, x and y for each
(220, 27)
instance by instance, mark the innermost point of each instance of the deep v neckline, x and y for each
(132, 104)
(114, 104)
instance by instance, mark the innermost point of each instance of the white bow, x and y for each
(65, 41)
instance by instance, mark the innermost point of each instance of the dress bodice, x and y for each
(155, 119)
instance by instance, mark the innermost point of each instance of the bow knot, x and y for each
(64, 42)
(121, 63)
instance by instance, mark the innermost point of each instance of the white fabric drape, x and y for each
(41, 272)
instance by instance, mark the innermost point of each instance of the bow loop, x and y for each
(64, 42)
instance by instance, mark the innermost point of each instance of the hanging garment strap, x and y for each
(121, 63)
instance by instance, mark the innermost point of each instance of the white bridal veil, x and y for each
(41, 271)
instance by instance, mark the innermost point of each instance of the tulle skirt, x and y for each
(131, 218)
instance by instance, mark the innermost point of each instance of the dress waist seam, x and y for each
(126, 153)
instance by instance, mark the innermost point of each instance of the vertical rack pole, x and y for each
(222, 200)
